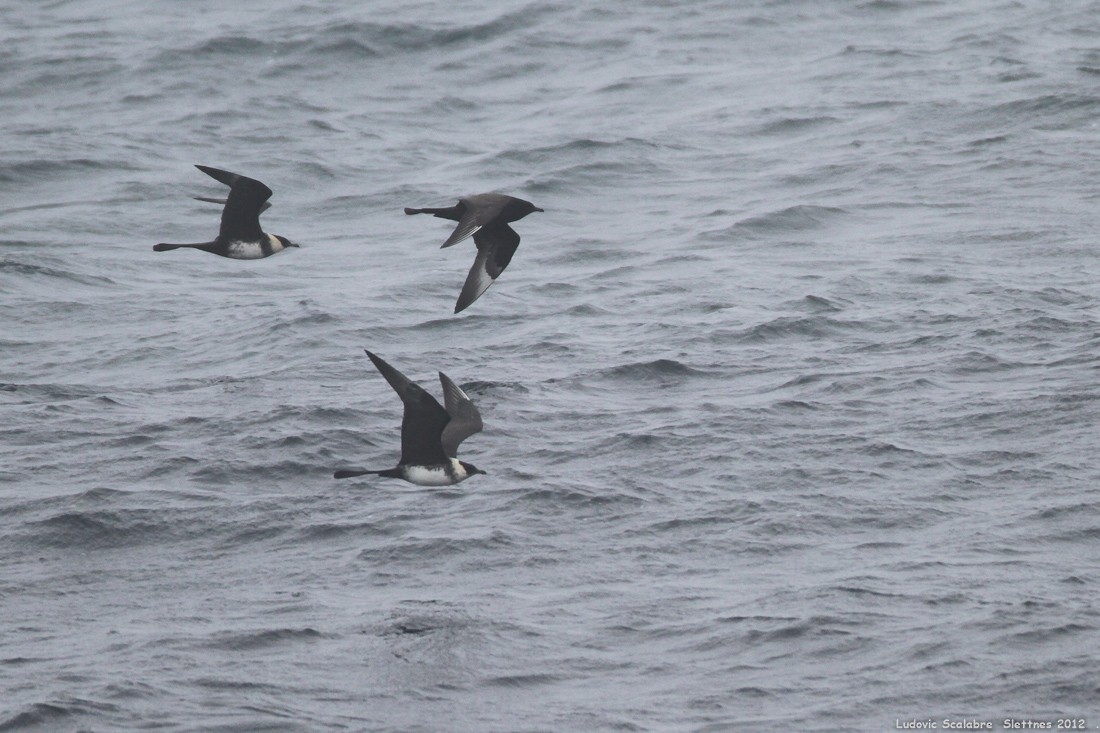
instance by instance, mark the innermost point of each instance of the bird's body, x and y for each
(485, 216)
(446, 474)
(430, 434)
(240, 236)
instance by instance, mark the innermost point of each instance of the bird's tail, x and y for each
(165, 246)
(447, 212)
(353, 472)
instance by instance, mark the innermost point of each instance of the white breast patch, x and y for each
(245, 250)
(422, 476)
(436, 476)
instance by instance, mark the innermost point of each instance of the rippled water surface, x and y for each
(790, 395)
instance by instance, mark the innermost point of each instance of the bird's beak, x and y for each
(293, 244)
(538, 209)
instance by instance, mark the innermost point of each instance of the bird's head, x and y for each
(521, 208)
(471, 469)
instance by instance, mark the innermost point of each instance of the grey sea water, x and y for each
(790, 396)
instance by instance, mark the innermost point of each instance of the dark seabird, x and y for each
(486, 216)
(240, 237)
(430, 434)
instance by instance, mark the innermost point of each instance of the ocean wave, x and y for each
(335, 530)
(227, 471)
(422, 549)
(252, 640)
(102, 528)
(408, 37)
(661, 370)
(788, 327)
(523, 681)
(595, 174)
(484, 387)
(797, 406)
(557, 498)
(39, 170)
(416, 618)
(819, 304)
(105, 518)
(18, 273)
(304, 47)
(978, 362)
(53, 715)
(792, 219)
(1051, 634)
(45, 393)
(791, 125)
(582, 149)
(1053, 111)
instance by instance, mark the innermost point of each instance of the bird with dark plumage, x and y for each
(430, 434)
(240, 236)
(485, 216)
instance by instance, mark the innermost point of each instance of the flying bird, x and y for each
(430, 434)
(240, 236)
(485, 216)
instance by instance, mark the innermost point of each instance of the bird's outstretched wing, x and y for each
(241, 215)
(423, 421)
(221, 202)
(465, 419)
(495, 247)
